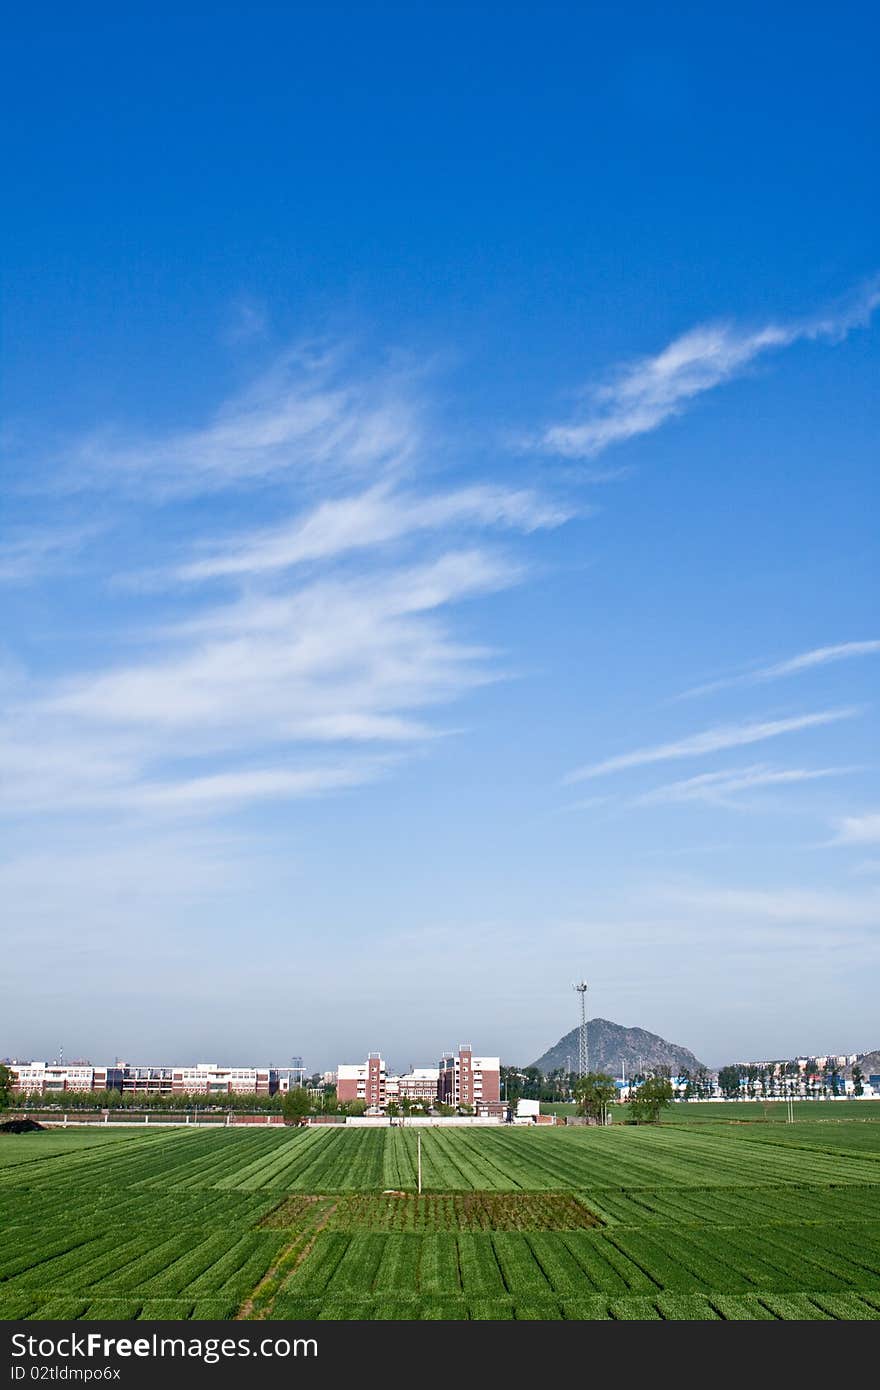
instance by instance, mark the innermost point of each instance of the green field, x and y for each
(696, 1219)
(743, 1111)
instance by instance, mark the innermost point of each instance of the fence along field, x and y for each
(719, 1221)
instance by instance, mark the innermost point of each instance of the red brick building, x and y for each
(461, 1079)
(469, 1080)
(363, 1081)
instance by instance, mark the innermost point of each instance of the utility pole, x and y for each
(419, 1151)
(583, 1048)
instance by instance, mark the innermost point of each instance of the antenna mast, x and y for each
(583, 1050)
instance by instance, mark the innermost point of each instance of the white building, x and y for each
(419, 1084)
(44, 1078)
(210, 1079)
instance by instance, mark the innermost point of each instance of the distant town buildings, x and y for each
(461, 1079)
(798, 1078)
(205, 1078)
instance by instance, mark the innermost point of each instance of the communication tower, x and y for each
(583, 1050)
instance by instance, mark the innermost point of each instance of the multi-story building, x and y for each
(420, 1083)
(49, 1078)
(364, 1081)
(210, 1079)
(147, 1081)
(460, 1079)
(206, 1078)
(469, 1080)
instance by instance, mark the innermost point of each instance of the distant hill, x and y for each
(869, 1062)
(610, 1045)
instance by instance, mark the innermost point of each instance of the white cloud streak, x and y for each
(376, 517)
(303, 419)
(228, 789)
(33, 553)
(718, 787)
(342, 661)
(804, 661)
(711, 741)
(652, 390)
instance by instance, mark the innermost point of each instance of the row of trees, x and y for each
(298, 1105)
(294, 1105)
(317, 1101)
(772, 1083)
(596, 1091)
(527, 1083)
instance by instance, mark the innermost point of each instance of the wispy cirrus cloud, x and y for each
(225, 790)
(651, 390)
(376, 517)
(308, 417)
(711, 740)
(31, 552)
(232, 705)
(722, 788)
(294, 684)
(793, 666)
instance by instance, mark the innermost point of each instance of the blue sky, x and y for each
(439, 530)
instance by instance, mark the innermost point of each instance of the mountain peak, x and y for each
(612, 1046)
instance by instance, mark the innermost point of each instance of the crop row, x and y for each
(22, 1214)
(669, 1307)
(731, 1206)
(847, 1138)
(49, 1307)
(57, 1143)
(228, 1263)
(784, 1260)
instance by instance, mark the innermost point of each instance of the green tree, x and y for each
(648, 1100)
(593, 1093)
(296, 1106)
(532, 1083)
(353, 1107)
(6, 1082)
(729, 1080)
(511, 1085)
(858, 1080)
